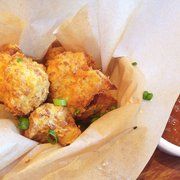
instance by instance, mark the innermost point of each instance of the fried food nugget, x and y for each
(73, 79)
(10, 49)
(4, 61)
(50, 117)
(26, 85)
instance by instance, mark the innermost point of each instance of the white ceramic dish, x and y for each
(169, 148)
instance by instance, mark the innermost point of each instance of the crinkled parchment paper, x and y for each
(148, 31)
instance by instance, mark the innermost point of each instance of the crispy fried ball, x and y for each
(4, 61)
(10, 49)
(101, 104)
(57, 118)
(73, 79)
(26, 85)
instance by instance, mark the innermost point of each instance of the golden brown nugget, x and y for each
(4, 61)
(50, 117)
(26, 85)
(73, 79)
(10, 49)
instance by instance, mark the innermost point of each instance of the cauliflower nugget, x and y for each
(10, 49)
(73, 79)
(4, 61)
(26, 85)
(50, 117)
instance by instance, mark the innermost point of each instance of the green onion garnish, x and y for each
(60, 102)
(113, 107)
(95, 117)
(103, 113)
(19, 60)
(52, 138)
(76, 112)
(23, 123)
(134, 63)
(147, 95)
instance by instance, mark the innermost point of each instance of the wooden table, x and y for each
(161, 166)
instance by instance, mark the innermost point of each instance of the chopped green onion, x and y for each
(76, 112)
(23, 123)
(94, 119)
(60, 102)
(52, 138)
(102, 113)
(113, 107)
(134, 63)
(147, 95)
(19, 60)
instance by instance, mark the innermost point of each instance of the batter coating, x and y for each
(4, 61)
(70, 58)
(26, 85)
(50, 117)
(72, 78)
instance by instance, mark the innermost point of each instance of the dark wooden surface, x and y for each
(161, 166)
